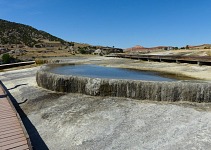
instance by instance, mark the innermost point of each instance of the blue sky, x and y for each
(119, 23)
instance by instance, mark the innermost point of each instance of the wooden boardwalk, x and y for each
(13, 135)
(5, 66)
(200, 60)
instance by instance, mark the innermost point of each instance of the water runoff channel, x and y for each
(119, 82)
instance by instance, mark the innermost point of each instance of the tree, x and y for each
(206, 47)
(6, 58)
(71, 43)
(187, 47)
(82, 51)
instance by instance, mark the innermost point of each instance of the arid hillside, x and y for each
(23, 42)
(12, 34)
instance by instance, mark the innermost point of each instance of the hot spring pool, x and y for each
(94, 71)
(106, 81)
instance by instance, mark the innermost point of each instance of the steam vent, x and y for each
(138, 89)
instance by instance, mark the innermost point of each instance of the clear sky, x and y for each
(119, 23)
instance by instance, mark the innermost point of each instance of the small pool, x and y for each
(94, 71)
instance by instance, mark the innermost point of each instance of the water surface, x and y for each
(95, 71)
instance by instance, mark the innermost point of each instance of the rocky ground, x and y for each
(76, 121)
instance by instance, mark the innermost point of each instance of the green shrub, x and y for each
(6, 58)
(41, 61)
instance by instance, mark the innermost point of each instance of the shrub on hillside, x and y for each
(41, 61)
(6, 58)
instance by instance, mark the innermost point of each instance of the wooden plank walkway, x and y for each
(200, 60)
(5, 66)
(12, 132)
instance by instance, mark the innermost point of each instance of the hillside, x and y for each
(203, 46)
(142, 49)
(24, 42)
(188, 50)
(20, 34)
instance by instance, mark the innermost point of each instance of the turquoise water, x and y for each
(95, 71)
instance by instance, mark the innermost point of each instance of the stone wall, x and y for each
(142, 90)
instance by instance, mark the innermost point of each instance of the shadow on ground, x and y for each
(16, 87)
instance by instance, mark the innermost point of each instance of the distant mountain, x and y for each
(142, 49)
(139, 48)
(16, 33)
(136, 48)
(203, 46)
